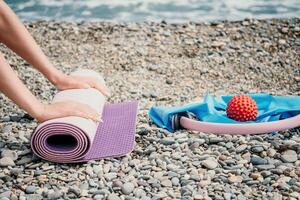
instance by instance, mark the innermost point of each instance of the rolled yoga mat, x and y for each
(75, 139)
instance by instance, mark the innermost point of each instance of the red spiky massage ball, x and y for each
(242, 108)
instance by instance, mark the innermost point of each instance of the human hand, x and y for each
(80, 82)
(65, 109)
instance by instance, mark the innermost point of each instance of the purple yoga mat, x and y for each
(67, 143)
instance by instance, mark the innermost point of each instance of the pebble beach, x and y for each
(162, 64)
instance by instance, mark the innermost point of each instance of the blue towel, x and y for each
(213, 109)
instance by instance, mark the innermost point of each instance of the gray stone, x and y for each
(265, 167)
(54, 195)
(6, 194)
(214, 140)
(297, 41)
(241, 197)
(113, 196)
(271, 152)
(6, 129)
(75, 190)
(24, 160)
(198, 197)
(175, 181)
(110, 176)
(117, 183)
(168, 141)
(98, 197)
(6, 161)
(127, 188)
(30, 189)
(257, 149)
(289, 156)
(169, 81)
(241, 148)
(210, 163)
(15, 118)
(145, 198)
(256, 160)
(34, 197)
(16, 171)
(266, 173)
(199, 140)
(139, 193)
(97, 169)
(227, 196)
(89, 170)
(9, 153)
(166, 183)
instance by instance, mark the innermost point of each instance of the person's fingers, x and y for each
(94, 83)
(86, 111)
(102, 88)
(86, 115)
(79, 85)
(70, 108)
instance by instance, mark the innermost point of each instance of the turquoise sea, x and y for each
(153, 10)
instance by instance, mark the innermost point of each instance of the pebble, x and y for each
(175, 181)
(166, 183)
(198, 197)
(289, 156)
(75, 190)
(210, 163)
(297, 41)
(139, 193)
(285, 30)
(34, 197)
(15, 118)
(30, 189)
(217, 44)
(54, 195)
(271, 152)
(9, 153)
(256, 160)
(227, 196)
(257, 149)
(113, 196)
(168, 140)
(110, 176)
(215, 140)
(6, 194)
(235, 179)
(24, 160)
(6, 161)
(265, 167)
(169, 81)
(97, 169)
(241, 148)
(199, 141)
(127, 188)
(16, 171)
(5, 119)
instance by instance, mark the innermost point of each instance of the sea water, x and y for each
(153, 10)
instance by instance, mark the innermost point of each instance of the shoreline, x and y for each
(163, 64)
